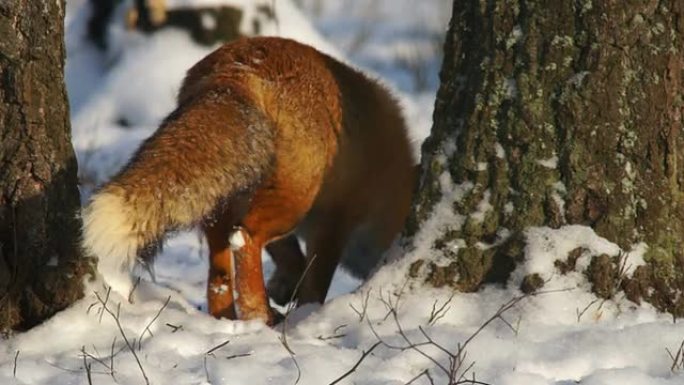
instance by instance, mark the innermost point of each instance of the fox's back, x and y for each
(292, 85)
(332, 121)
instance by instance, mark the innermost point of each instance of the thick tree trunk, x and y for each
(560, 112)
(41, 268)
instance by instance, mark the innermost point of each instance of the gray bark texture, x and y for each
(41, 268)
(556, 113)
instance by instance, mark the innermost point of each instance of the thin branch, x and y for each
(239, 355)
(677, 360)
(296, 364)
(581, 313)
(16, 357)
(147, 328)
(210, 352)
(174, 328)
(335, 334)
(123, 334)
(111, 356)
(433, 342)
(104, 303)
(457, 369)
(425, 373)
(98, 360)
(331, 337)
(135, 286)
(439, 313)
(363, 356)
(283, 335)
(412, 346)
(80, 370)
(362, 313)
(87, 365)
(504, 308)
(206, 371)
(217, 347)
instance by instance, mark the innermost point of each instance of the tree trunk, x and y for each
(553, 113)
(41, 267)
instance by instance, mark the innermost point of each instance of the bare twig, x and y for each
(411, 345)
(364, 307)
(99, 360)
(425, 373)
(331, 337)
(388, 302)
(115, 316)
(296, 364)
(335, 334)
(360, 360)
(135, 286)
(174, 328)
(504, 308)
(210, 352)
(581, 313)
(217, 347)
(678, 358)
(438, 313)
(14, 370)
(457, 367)
(206, 371)
(239, 355)
(291, 306)
(111, 356)
(87, 365)
(79, 370)
(104, 303)
(147, 328)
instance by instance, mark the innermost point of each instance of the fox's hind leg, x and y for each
(252, 302)
(273, 213)
(220, 282)
(289, 261)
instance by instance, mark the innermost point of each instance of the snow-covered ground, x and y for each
(562, 336)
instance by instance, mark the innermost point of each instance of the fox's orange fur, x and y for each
(271, 138)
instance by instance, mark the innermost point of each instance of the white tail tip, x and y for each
(108, 235)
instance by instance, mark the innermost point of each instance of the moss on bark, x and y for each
(559, 113)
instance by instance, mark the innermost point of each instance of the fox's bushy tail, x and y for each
(208, 150)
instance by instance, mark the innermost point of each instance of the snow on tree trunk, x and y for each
(41, 268)
(557, 113)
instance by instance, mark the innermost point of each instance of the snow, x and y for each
(561, 336)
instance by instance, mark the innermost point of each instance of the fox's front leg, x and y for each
(290, 263)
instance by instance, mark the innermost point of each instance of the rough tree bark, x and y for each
(553, 113)
(41, 268)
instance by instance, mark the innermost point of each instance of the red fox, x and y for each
(271, 140)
